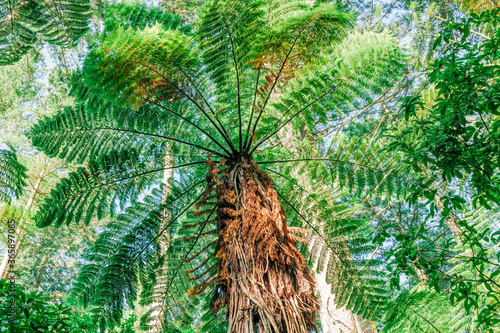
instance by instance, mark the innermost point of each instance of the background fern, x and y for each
(24, 23)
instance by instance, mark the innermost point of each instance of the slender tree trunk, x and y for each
(333, 318)
(158, 314)
(38, 280)
(5, 266)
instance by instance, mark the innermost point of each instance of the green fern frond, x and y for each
(137, 15)
(102, 187)
(22, 22)
(311, 29)
(425, 310)
(358, 166)
(126, 253)
(12, 175)
(66, 21)
(478, 6)
(362, 67)
(356, 283)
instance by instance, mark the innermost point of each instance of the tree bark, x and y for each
(158, 314)
(262, 277)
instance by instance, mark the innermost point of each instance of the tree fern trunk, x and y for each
(262, 276)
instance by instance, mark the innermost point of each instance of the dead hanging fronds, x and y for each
(260, 275)
(292, 231)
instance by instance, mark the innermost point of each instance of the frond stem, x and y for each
(275, 82)
(320, 159)
(194, 125)
(153, 135)
(229, 142)
(194, 102)
(237, 78)
(253, 106)
(291, 118)
(139, 175)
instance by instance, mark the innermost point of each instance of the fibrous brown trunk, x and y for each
(262, 277)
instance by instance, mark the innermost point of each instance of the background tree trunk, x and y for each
(333, 319)
(5, 267)
(157, 316)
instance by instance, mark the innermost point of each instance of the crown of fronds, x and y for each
(247, 71)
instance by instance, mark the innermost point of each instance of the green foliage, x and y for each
(24, 22)
(425, 310)
(237, 84)
(138, 16)
(32, 312)
(247, 70)
(12, 175)
(128, 324)
(460, 277)
(458, 132)
(477, 6)
(16, 83)
(106, 184)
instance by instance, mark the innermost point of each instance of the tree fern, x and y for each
(205, 98)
